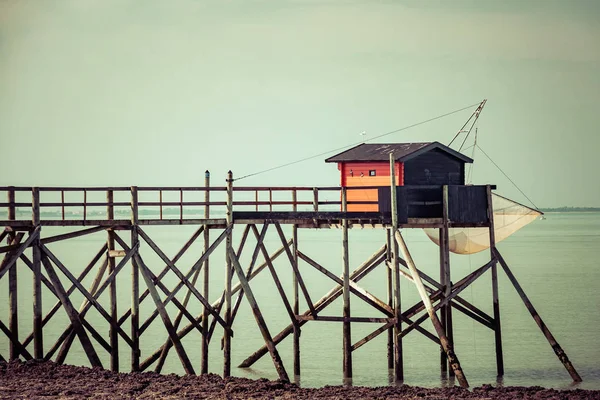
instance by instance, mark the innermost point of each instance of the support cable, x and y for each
(361, 142)
(507, 177)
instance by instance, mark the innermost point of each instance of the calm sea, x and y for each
(555, 260)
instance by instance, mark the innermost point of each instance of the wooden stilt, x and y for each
(398, 356)
(258, 316)
(562, 356)
(38, 346)
(164, 271)
(73, 315)
(205, 278)
(135, 285)
(228, 275)
(495, 302)
(346, 332)
(13, 317)
(185, 361)
(330, 297)
(216, 305)
(112, 333)
(452, 359)
(295, 288)
(390, 296)
(446, 282)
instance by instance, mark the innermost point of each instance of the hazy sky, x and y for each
(126, 92)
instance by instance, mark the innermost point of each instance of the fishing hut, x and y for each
(390, 187)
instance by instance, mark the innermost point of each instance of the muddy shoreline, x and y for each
(34, 379)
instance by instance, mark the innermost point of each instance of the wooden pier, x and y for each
(124, 214)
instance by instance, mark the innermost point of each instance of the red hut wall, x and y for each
(357, 174)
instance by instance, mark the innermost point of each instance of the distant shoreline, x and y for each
(571, 209)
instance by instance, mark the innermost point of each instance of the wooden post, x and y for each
(452, 359)
(446, 282)
(13, 317)
(110, 245)
(135, 284)
(398, 362)
(38, 347)
(496, 304)
(562, 356)
(296, 305)
(347, 340)
(206, 276)
(258, 316)
(228, 273)
(390, 295)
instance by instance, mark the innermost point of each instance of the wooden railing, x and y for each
(90, 205)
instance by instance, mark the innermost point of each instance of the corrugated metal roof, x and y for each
(401, 151)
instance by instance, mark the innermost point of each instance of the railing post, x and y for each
(315, 199)
(206, 276)
(13, 318)
(135, 285)
(398, 362)
(110, 245)
(228, 275)
(347, 340)
(38, 346)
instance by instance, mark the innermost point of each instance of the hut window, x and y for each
(372, 172)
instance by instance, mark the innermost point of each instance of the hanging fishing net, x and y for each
(509, 217)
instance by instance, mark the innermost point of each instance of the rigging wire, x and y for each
(507, 177)
(357, 143)
(472, 166)
(461, 130)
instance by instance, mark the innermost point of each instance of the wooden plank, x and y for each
(184, 280)
(216, 305)
(326, 300)
(259, 239)
(262, 325)
(73, 315)
(20, 348)
(72, 235)
(62, 355)
(373, 335)
(91, 297)
(562, 356)
(165, 269)
(109, 279)
(8, 261)
(185, 361)
(278, 285)
(71, 289)
(295, 268)
(330, 318)
(452, 359)
(353, 287)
